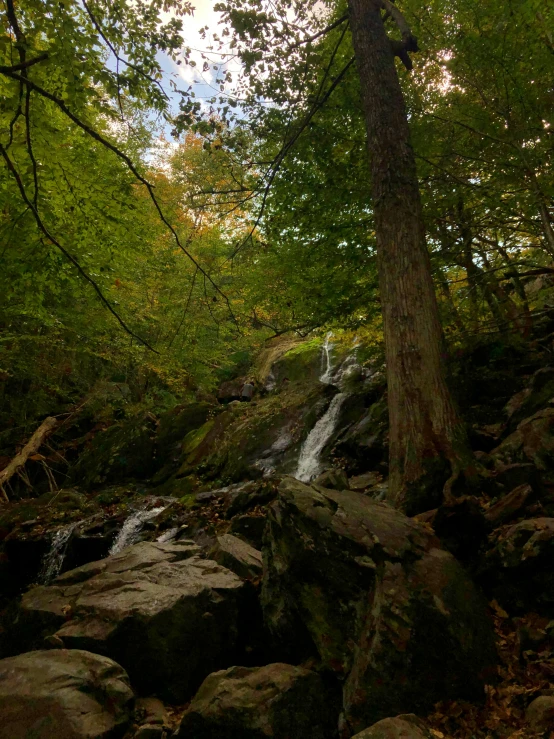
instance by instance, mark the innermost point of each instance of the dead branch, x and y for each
(33, 445)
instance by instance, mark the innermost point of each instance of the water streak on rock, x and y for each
(54, 557)
(309, 463)
(133, 526)
(326, 361)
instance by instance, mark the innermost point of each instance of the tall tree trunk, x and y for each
(428, 445)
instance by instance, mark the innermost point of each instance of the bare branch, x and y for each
(26, 64)
(309, 39)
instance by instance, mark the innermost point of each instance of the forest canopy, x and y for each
(164, 246)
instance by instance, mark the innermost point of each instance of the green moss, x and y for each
(306, 346)
(194, 438)
(188, 501)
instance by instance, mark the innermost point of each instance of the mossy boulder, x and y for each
(396, 617)
(177, 423)
(121, 452)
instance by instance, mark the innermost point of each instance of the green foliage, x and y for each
(261, 223)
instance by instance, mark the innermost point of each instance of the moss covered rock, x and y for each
(121, 452)
(384, 607)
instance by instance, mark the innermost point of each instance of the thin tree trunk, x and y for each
(32, 447)
(428, 443)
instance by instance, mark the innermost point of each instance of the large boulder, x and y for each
(382, 606)
(67, 694)
(166, 614)
(399, 727)
(277, 700)
(237, 556)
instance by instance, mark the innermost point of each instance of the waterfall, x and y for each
(309, 464)
(133, 526)
(54, 557)
(326, 364)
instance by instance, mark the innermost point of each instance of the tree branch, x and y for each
(106, 143)
(317, 35)
(64, 251)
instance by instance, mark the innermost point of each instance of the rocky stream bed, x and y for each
(233, 570)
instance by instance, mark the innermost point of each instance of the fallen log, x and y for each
(31, 447)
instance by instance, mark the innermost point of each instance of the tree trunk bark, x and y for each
(428, 445)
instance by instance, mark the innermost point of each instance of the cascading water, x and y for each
(309, 464)
(53, 559)
(326, 362)
(133, 526)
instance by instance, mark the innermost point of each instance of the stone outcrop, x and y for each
(382, 606)
(67, 694)
(277, 700)
(407, 726)
(237, 556)
(166, 614)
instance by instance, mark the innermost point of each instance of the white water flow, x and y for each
(54, 557)
(309, 465)
(326, 362)
(132, 527)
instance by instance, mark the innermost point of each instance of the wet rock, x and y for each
(517, 568)
(277, 700)
(510, 506)
(379, 602)
(163, 612)
(237, 556)
(333, 479)
(249, 528)
(67, 694)
(540, 713)
(407, 726)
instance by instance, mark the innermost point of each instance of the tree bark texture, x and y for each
(427, 440)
